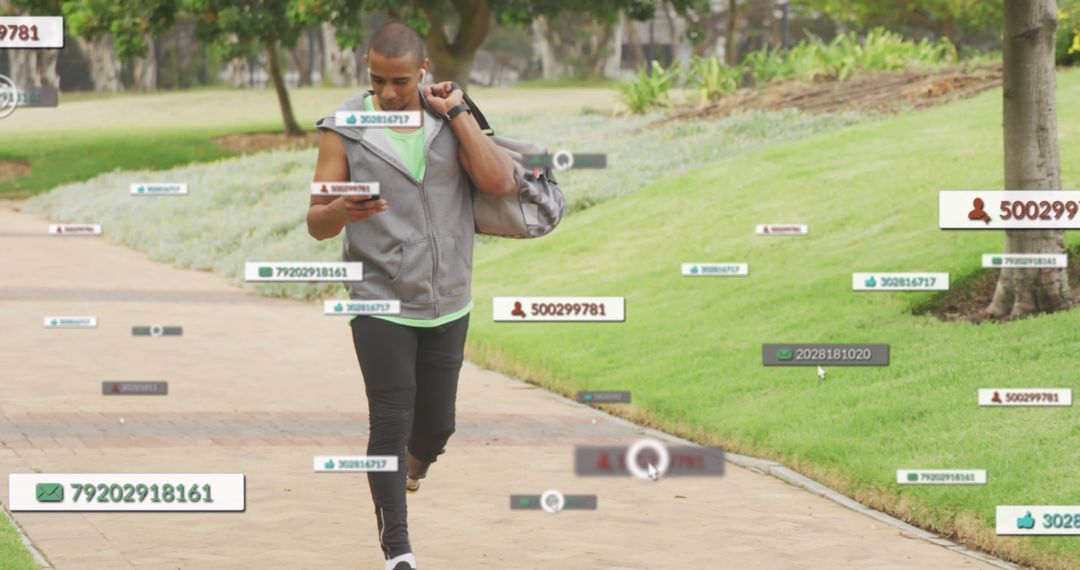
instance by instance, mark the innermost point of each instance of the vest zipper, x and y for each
(434, 247)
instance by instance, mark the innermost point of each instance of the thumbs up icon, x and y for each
(871, 282)
(1025, 521)
(329, 464)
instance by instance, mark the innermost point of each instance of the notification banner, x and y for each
(31, 32)
(1009, 209)
(564, 309)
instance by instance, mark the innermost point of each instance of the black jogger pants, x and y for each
(410, 377)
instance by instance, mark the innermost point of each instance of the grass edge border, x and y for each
(39, 556)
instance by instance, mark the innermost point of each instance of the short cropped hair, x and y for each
(396, 39)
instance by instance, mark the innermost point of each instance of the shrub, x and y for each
(649, 90)
(712, 79)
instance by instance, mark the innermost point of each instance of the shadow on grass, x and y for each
(969, 294)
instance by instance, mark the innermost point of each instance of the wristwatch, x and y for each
(464, 107)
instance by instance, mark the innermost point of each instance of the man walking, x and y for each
(416, 243)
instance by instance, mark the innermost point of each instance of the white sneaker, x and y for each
(403, 562)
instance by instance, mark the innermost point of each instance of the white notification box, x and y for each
(124, 491)
(71, 322)
(558, 309)
(900, 281)
(355, 463)
(32, 31)
(159, 189)
(75, 229)
(1024, 260)
(782, 229)
(941, 476)
(278, 271)
(715, 269)
(377, 118)
(1038, 519)
(372, 307)
(999, 397)
(1008, 209)
(344, 188)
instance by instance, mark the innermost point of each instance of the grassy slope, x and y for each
(690, 349)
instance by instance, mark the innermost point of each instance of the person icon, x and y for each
(996, 398)
(977, 212)
(517, 312)
(115, 388)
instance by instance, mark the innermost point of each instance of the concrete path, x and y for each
(260, 386)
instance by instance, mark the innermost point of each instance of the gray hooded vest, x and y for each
(419, 250)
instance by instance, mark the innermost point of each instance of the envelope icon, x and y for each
(784, 354)
(50, 492)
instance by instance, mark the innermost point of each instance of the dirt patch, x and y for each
(248, 143)
(11, 169)
(887, 92)
(966, 299)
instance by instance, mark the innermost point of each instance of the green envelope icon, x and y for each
(266, 271)
(50, 492)
(784, 354)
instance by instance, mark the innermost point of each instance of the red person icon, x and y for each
(996, 398)
(977, 212)
(517, 312)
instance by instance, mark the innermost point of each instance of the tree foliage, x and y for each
(944, 17)
(127, 21)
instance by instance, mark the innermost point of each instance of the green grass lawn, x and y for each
(690, 349)
(83, 155)
(13, 554)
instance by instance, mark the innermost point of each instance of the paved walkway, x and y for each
(260, 386)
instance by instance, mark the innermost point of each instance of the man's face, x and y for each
(395, 81)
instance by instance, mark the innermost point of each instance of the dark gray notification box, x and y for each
(134, 388)
(686, 461)
(165, 331)
(44, 96)
(803, 354)
(603, 397)
(572, 502)
(579, 160)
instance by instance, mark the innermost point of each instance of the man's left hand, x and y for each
(442, 97)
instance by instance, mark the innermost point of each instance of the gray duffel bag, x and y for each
(537, 206)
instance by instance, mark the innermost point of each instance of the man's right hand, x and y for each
(358, 209)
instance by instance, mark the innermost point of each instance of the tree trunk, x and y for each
(576, 45)
(236, 72)
(1031, 156)
(730, 57)
(550, 66)
(453, 61)
(301, 59)
(33, 67)
(102, 63)
(292, 128)
(144, 72)
(340, 66)
(635, 42)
